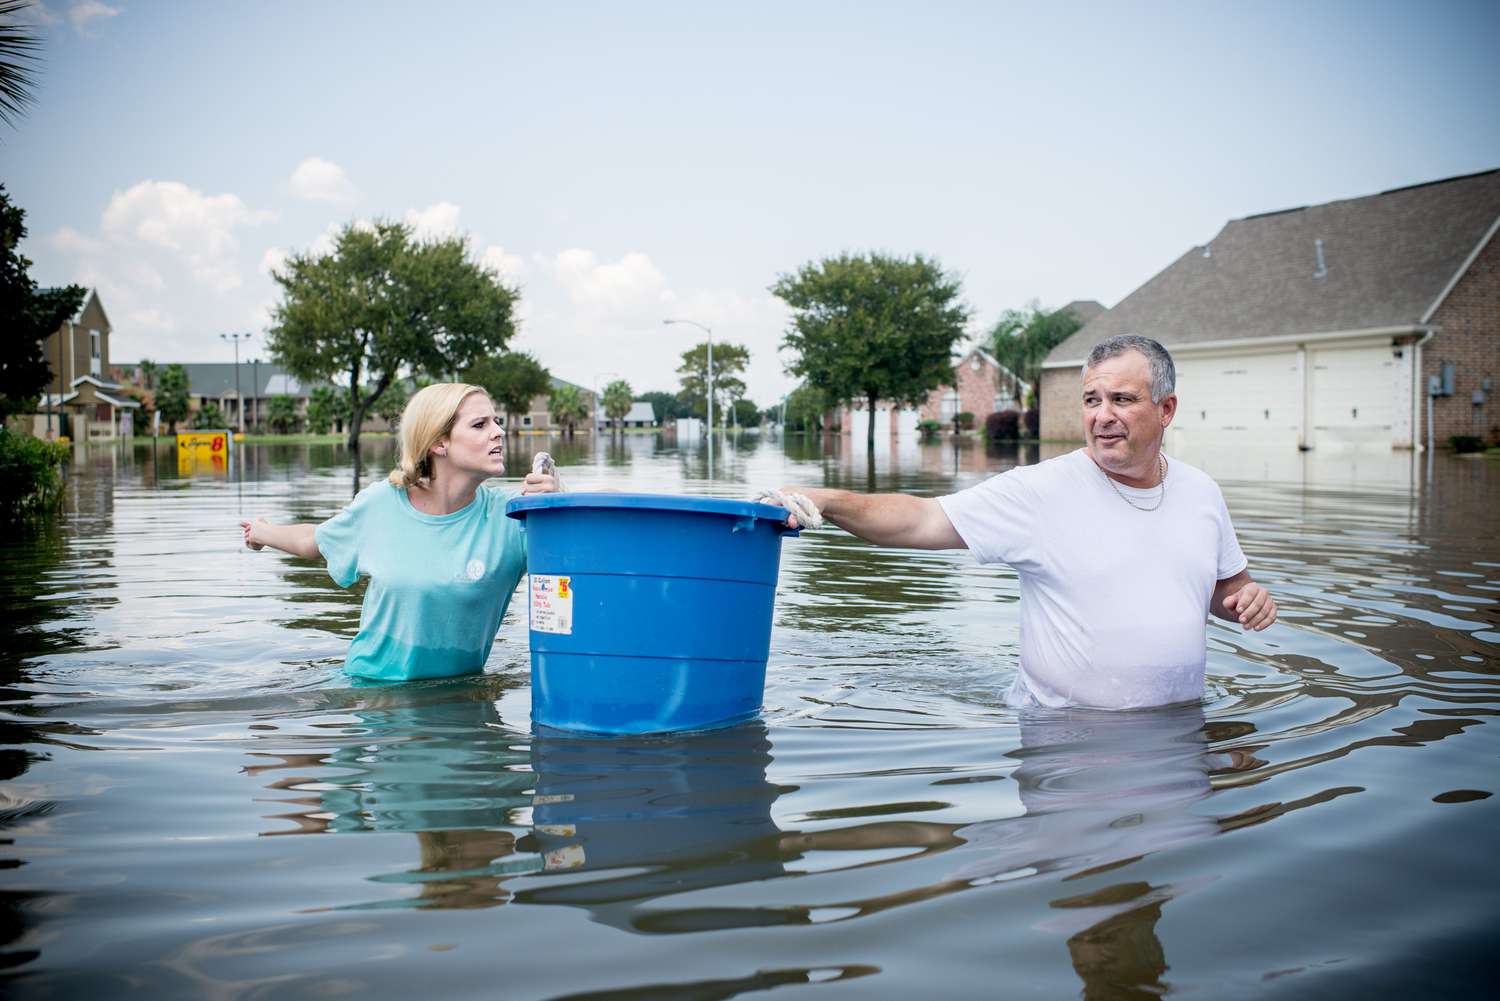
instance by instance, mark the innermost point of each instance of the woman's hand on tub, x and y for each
(539, 483)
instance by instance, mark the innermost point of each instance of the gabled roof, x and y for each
(1381, 261)
(1083, 309)
(217, 378)
(641, 411)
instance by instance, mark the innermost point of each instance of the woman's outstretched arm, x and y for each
(299, 540)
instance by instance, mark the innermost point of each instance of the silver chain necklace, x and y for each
(1161, 467)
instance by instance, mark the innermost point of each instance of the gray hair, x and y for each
(1163, 372)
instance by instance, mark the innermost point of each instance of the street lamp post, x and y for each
(239, 401)
(255, 390)
(710, 333)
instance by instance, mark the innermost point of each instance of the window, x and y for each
(94, 361)
(950, 404)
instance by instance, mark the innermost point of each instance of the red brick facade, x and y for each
(981, 386)
(1468, 335)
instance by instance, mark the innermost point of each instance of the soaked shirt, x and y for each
(1114, 599)
(439, 584)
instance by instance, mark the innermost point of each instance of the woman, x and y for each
(442, 558)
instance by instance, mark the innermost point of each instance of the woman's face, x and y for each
(477, 442)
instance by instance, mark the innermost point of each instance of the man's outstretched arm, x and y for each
(1240, 599)
(886, 519)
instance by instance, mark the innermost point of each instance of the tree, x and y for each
(618, 400)
(567, 407)
(148, 372)
(283, 414)
(210, 416)
(325, 404)
(1020, 339)
(381, 302)
(746, 414)
(390, 405)
(513, 379)
(873, 327)
(27, 316)
(665, 406)
(805, 407)
(729, 361)
(18, 60)
(172, 396)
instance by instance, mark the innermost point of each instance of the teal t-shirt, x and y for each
(438, 583)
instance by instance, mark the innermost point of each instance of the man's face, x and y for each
(1122, 426)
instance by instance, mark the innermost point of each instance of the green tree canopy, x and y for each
(1021, 338)
(873, 327)
(665, 406)
(729, 361)
(513, 379)
(27, 316)
(746, 414)
(172, 396)
(210, 416)
(567, 407)
(805, 407)
(282, 415)
(325, 404)
(381, 302)
(617, 400)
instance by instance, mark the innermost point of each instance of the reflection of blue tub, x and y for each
(648, 613)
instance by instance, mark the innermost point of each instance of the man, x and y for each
(1121, 552)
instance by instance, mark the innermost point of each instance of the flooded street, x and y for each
(199, 804)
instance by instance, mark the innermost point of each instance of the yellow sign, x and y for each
(202, 450)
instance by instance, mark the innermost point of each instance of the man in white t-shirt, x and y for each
(1121, 551)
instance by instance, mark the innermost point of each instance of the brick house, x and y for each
(981, 386)
(1322, 326)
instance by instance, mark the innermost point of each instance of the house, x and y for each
(81, 401)
(981, 386)
(539, 416)
(640, 415)
(1322, 326)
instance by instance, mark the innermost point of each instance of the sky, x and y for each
(625, 163)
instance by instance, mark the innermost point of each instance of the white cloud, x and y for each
(630, 284)
(70, 241)
(435, 222)
(150, 320)
(318, 180)
(505, 265)
(84, 12)
(272, 260)
(173, 216)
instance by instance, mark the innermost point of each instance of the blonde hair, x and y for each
(428, 419)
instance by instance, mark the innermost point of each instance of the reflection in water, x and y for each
(871, 819)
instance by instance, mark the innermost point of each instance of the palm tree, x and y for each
(617, 400)
(567, 407)
(18, 60)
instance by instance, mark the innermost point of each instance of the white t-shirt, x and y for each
(1113, 599)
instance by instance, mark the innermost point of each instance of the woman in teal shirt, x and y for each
(442, 558)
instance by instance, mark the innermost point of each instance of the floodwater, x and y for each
(197, 804)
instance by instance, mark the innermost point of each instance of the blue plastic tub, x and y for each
(648, 613)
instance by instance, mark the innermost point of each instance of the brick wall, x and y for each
(976, 392)
(1061, 404)
(1469, 337)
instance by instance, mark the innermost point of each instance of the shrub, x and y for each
(966, 421)
(30, 472)
(1032, 419)
(1466, 443)
(210, 417)
(1003, 425)
(929, 428)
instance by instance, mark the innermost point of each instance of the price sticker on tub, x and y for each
(551, 604)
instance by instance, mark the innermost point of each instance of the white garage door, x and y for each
(1352, 395)
(859, 423)
(1242, 398)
